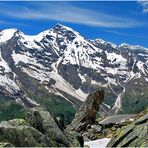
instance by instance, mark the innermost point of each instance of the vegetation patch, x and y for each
(10, 110)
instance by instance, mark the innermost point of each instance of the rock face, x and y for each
(38, 130)
(75, 138)
(60, 122)
(132, 135)
(19, 133)
(87, 112)
(44, 122)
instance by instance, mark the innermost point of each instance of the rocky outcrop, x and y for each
(19, 133)
(99, 131)
(132, 135)
(124, 130)
(87, 112)
(75, 138)
(41, 119)
(38, 130)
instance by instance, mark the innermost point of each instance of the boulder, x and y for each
(75, 138)
(42, 120)
(19, 133)
(87, 112)
(132, 135)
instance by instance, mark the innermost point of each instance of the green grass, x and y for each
(134, 101)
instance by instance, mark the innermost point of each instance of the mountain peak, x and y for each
(133, 47)
(67, 64)
(7, 34)
(10, 30)
(63, 28)
(98, 40)
(58, 25)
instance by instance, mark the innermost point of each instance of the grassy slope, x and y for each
(135, 101)
(10, 110)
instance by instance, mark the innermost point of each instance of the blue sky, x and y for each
(116, 21)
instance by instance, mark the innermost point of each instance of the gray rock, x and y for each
(143, 119)
(20, 134)
(132, 135)
(40, 130)
(42, 120)
(74, 138)
(96, 128)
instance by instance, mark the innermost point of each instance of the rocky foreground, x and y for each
(39, 129)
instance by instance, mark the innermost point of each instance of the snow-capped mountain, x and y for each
(62, 62)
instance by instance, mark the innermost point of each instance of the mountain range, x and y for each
(59, 68)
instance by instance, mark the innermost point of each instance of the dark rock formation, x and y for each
(87, 112)
(60, 122)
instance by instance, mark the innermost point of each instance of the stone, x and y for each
(132, 135)
(18, 133)
(42, 120)
(97, 128)
(113, 128)
(87, 112)
(141, 120)
(38, 130)
(74, 138)
(93, 126)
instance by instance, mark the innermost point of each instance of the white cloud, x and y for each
(69, 13)
(2, 22)
(144, 5)
(125, 34)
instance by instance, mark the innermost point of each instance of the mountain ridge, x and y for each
(63, 62)
(68, 28)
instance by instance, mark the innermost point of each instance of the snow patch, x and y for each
(8, 84)
(100, 143)
(4, 64)
(26, 58)
(6, 35)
